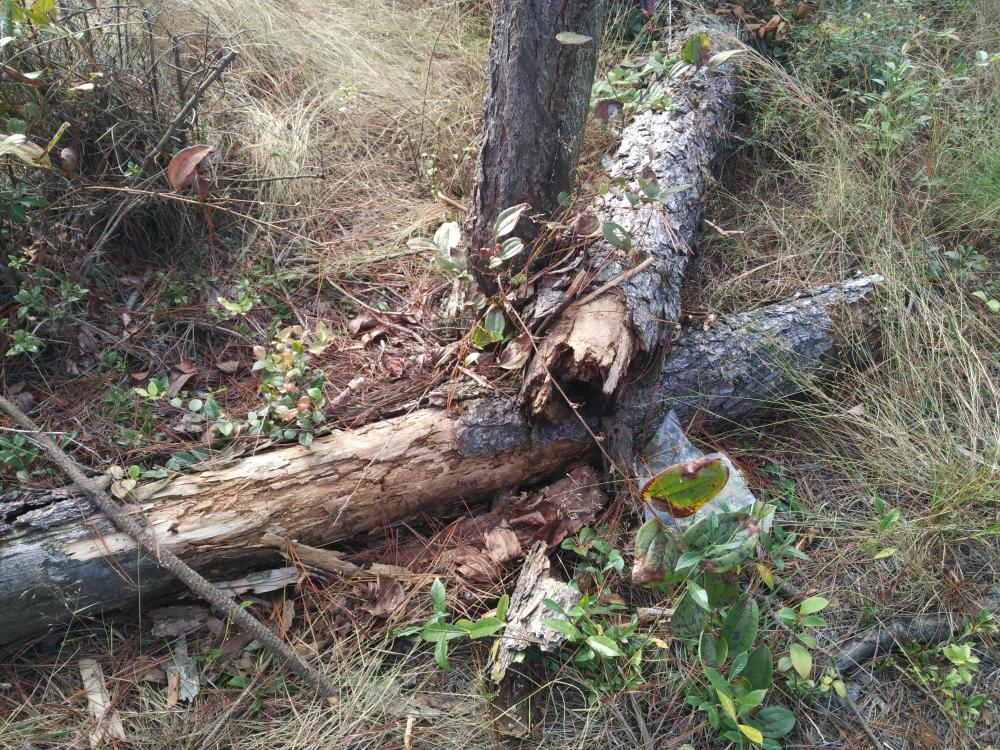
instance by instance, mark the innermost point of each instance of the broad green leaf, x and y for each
(687, 560)
(683, 488)
(437, 595)
(721, 593)
(554, 606)
(712, 650)
(432, 632)
(714, 528)
(766, 576)
(727, 704)
(563, 626)
(882, 554)
(752, 699)
(751, 733)
(604, 646)
(481, 628)
(447, 236)
(812, 605)
(738, 665)
(695, 49)
(688, 619)
(617, 236)
(441, 655)
(510, 247)
(741, 625)
(656, 554)
(719, 682)
(571, 37)
(508, 219)
(808, 639)
(801, 660)
(775, 721)
(786, 614)
(759, 668)
(812, 621)
(502, 606)
(699, 594)
(421, 243)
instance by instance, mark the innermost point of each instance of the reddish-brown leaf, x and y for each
(182, 167)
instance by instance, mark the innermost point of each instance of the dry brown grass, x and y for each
(356, 100)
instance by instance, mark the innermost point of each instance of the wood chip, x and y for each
(108, 726)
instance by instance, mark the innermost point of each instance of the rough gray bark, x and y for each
(58, 558)
(537, 95)
(594, 342)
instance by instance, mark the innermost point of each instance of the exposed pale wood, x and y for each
(58, 557)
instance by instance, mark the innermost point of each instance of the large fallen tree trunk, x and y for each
(59, 559)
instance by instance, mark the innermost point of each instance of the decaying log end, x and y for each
(593, 343)
(588, 349)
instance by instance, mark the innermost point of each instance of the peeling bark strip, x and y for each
(537, 95)
(54, 564)
(593, 343)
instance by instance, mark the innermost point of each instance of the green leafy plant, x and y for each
(155, 390)
(439, 629)
(445, 247)
(798, 662)
(627, 87)
(123, 481)
(605, 648)
(948, 670)
(291, 387)
(18, 454)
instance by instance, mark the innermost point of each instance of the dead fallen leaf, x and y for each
(361, 323)
(228, 366)
(286, 618)
(182, 166)
(177, 381)
(502, 545)
(170, 622)
(155, 675)
(69, 159)
(390, 594)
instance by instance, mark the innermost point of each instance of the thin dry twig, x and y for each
(214, 72)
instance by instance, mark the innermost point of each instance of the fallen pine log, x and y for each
(629, 307)
(59, 559)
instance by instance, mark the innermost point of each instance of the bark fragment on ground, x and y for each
(595, 340)
(527, 613)
(58, 558)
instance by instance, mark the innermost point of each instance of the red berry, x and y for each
(558, 238)
(645, 14)
(650, 28)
